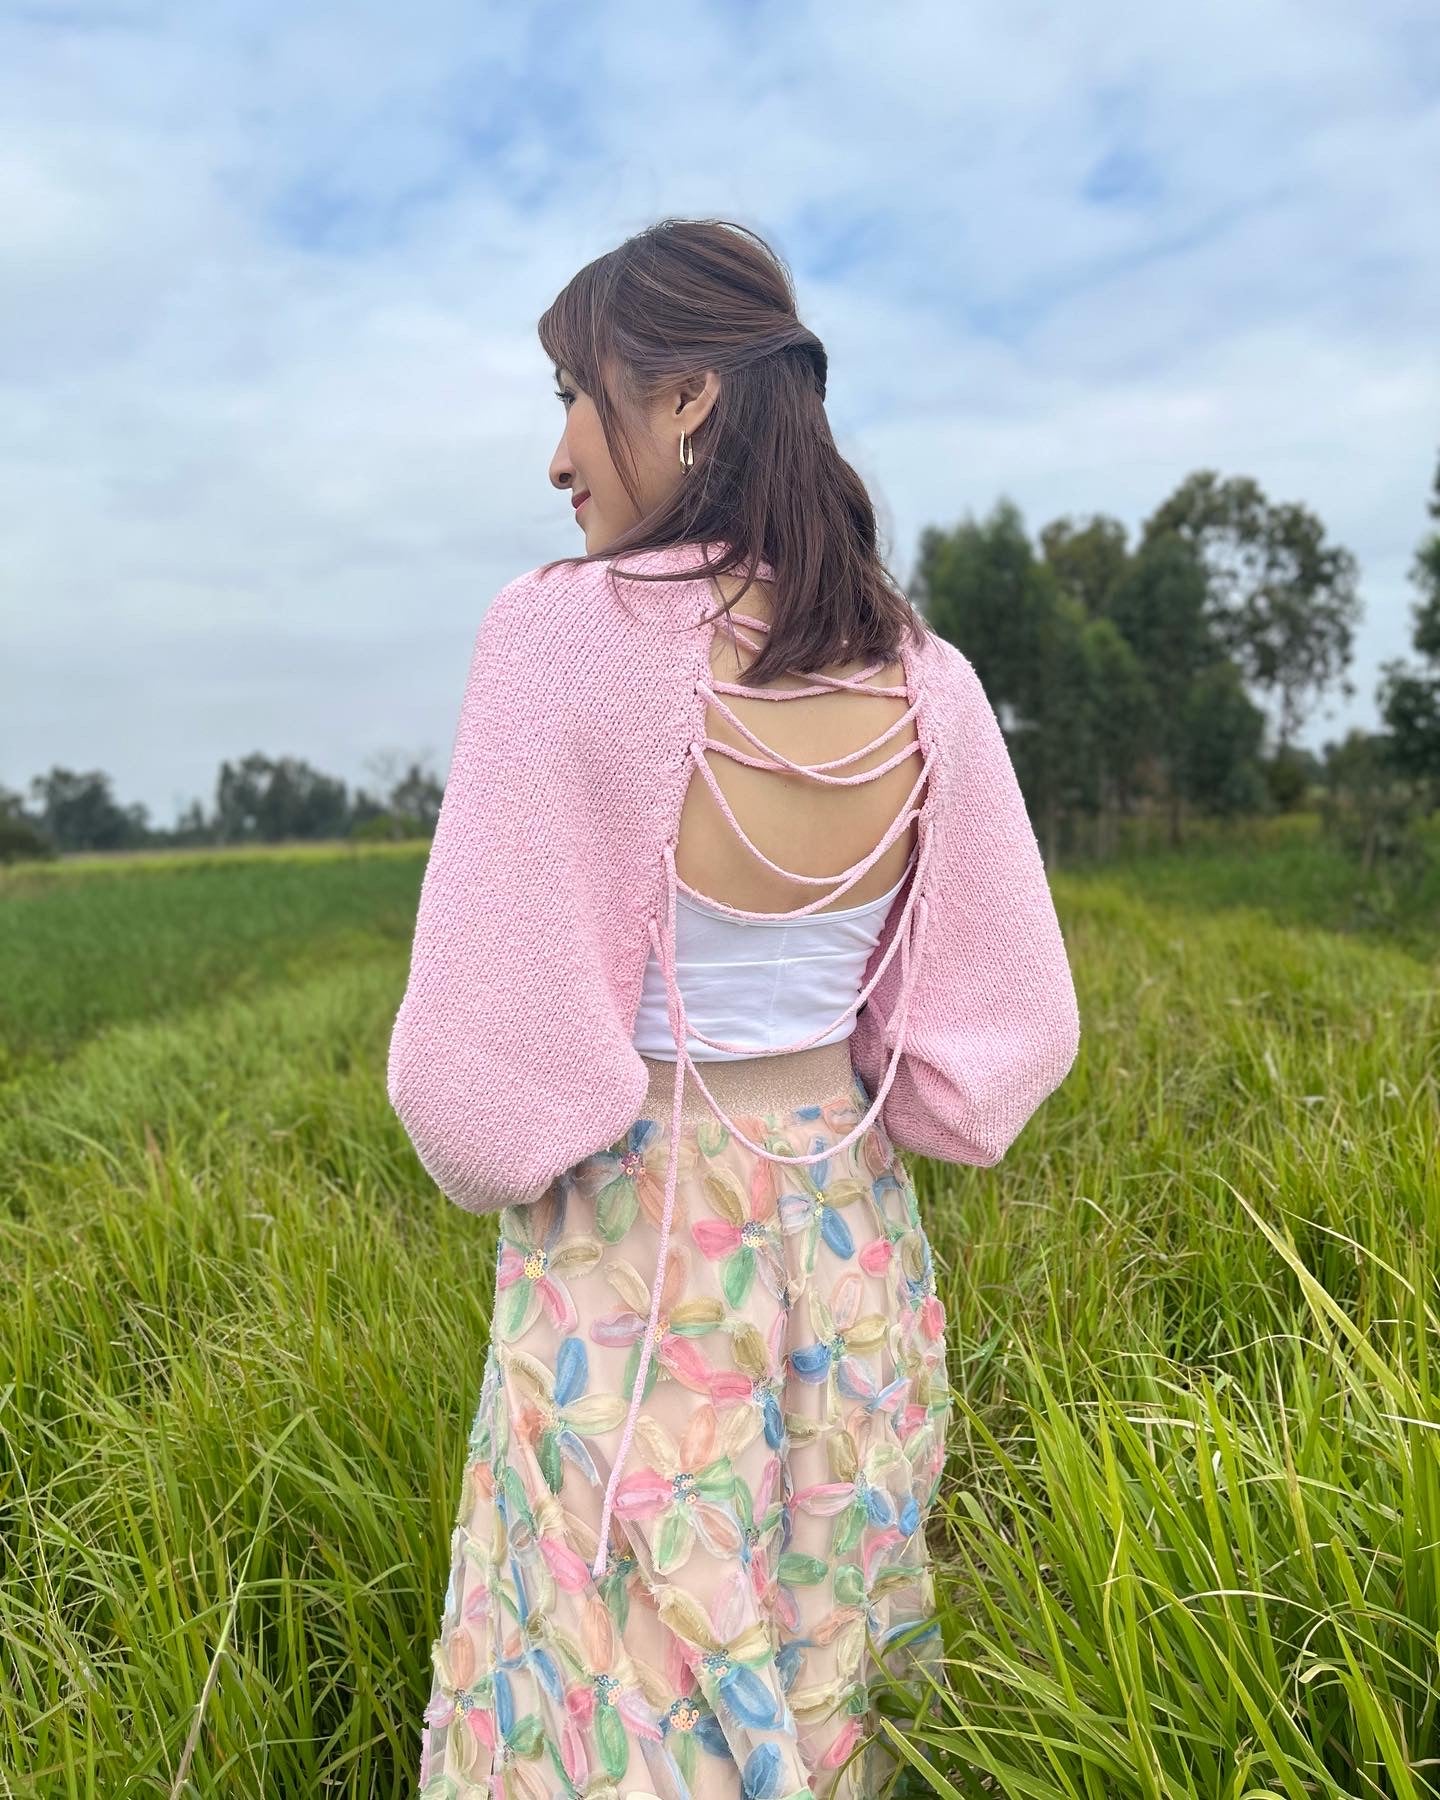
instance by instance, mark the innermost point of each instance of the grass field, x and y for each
(1190, 1537)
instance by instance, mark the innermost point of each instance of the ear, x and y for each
(692, 400)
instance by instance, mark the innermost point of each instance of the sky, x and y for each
(275, 423)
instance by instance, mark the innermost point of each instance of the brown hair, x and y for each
(686, 295)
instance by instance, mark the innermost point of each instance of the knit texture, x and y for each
(511, 1057)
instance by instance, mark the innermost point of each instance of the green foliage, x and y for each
(1290, 775)
(237, 1366)
(259, 800)
(263, 799)
(1410, 706)
(1290, 871)
(1283, 602)
(1377, 821)
(21, 838)
(1217, 745)
(980, 587)
(79, 812)
(1409, 696)
(1203, 731)
(1107, 667)
(1122, 676)
(1089, 560)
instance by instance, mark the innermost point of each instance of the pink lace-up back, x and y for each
(907, 942)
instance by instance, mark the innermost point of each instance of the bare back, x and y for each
(805, 825)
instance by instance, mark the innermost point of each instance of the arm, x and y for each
(994, 1024)
(503, 1052)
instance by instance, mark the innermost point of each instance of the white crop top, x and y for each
(762, 982)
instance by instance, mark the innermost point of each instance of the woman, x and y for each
(651, 1023)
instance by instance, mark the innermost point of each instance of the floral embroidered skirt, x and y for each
(768, 1542)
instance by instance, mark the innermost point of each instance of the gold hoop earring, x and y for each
(687, 453)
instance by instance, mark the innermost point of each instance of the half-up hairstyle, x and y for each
(687, 295)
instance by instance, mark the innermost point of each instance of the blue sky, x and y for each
(275, 424)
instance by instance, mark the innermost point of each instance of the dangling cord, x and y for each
(909, 965)
(672, 1170)
(679, 1029)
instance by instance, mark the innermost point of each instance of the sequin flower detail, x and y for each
(626, 1179)
(604, 1705)
(815, 1214)
(535, 1259)
(728, 1649)
(689, 1489)
(839, 1334)
(745, 1237)
(556, 1414)
(681, 1321)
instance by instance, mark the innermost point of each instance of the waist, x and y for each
(753, 1084)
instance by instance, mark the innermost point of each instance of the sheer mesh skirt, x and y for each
(768, 1533)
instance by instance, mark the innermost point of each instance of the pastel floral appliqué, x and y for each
(767, 1557)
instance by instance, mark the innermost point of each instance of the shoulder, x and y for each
(560, 608)
(952, 684)
(566, 654)
(545, 604)
(964, 730)
(539, 636)
(944, 661)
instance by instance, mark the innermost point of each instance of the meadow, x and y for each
(1190, 1528)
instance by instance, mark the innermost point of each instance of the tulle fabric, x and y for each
(768, 1541)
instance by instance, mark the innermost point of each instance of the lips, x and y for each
(578, 500)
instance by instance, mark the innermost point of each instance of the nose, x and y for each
(562, 470)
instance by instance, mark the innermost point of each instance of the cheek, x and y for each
(593, 456)
(587, 447)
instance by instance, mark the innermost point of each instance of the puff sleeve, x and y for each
(994, 1024)
(509, 1059)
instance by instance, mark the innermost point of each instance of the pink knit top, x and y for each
(552, 877)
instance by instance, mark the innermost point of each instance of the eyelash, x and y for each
(564, 394)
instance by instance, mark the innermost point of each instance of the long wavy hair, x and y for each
(687, 295)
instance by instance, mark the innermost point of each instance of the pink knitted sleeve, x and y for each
(994, 1026)
(509, 1059)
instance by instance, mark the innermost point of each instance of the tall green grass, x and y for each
(99, 941)
(1190, 1531)
(1287, 870)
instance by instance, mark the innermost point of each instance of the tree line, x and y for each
(258, 800)
(1125, 676)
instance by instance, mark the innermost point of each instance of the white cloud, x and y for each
(274, 422)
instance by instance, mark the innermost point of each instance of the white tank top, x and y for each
(762, 982)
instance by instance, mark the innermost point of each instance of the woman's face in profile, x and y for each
(582, 467)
